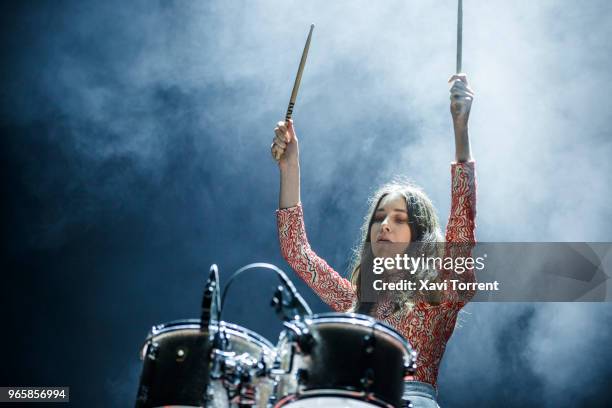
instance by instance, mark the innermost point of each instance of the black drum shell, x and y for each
(176, 366)
(170, 378)
(354, 353)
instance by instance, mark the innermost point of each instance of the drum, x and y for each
(241, 363)
(186, 367)
(342, 360)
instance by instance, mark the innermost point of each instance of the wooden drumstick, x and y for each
(298, 79)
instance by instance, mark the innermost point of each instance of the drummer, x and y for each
(400, 213)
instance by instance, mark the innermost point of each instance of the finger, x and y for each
(276, 153)
(279, 149)
(459, 77)
(458, 86)
(461, 92)
(280, 145)
(290, 130)
(282, 125)
(281, 135)
(280, 142)
(466, 95)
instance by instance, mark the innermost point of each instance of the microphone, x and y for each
(210, 300)
(297, 301)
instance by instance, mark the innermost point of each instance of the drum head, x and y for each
(242, 340)
(362, 321)
(328, 402)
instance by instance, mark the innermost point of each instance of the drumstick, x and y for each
(459, 34)
(298, 79)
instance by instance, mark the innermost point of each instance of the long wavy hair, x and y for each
(424, 228)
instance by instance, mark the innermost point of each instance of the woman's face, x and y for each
(390, 232)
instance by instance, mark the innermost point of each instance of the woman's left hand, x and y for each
(461, 96)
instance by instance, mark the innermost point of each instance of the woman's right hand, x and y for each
(284, 146)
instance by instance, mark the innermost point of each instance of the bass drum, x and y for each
(342, 360)
(182, 368)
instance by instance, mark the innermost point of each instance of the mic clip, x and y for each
(284, 304)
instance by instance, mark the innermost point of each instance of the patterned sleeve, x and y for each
(332, 288)
(460, 231)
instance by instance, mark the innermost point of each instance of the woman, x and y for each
(399, 214)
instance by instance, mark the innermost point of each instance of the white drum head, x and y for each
(329, 402)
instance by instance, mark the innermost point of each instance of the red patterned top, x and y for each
(426, 326)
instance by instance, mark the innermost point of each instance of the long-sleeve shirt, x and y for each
(426, 326)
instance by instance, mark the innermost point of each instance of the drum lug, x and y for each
(410, 364)
(221, 362)
(306, 342)
(153, 351)
(261, 369)
(300, 334)
(209, 395)
(368, 379)
(369, 342)
(181, 354)
(302, 376)
(276, 367)
(244, 377)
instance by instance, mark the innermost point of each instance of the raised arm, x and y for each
(461, 223)
(332, 288)
(460, 230)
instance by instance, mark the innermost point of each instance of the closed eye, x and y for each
(398, 219)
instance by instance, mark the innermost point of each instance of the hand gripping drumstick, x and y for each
(298, 79)
(459, 34)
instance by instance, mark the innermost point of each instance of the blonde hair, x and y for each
(424, 228)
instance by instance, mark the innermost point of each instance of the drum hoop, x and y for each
(331, 392)
(191, 324)
(240, 331)
(359, 319)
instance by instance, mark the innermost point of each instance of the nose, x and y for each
(384, 226)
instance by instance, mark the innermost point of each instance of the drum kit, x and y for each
(325, 360)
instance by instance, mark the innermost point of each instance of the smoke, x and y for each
(147, 126)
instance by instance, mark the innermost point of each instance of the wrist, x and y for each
(460, 123)
(460, 130)
(289, 165)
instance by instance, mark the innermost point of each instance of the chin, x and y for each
(381, 250)
(388, 249)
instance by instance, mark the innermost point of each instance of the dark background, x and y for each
(134, 154)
